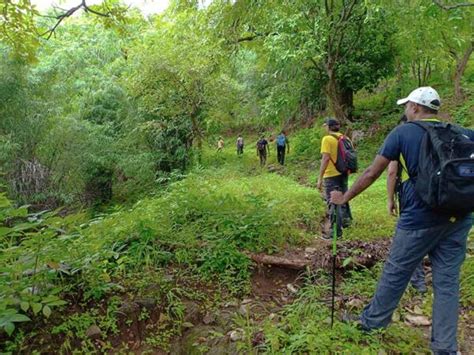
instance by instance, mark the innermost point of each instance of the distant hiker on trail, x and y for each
(329, 176)
(435, 217)
(262, 149)
(240, 145)
(282, 142)
(220, 144)
(396, 175)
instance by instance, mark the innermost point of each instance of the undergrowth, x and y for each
(205, 224)
(304, 327)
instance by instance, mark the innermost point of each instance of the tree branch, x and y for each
(69, 13)
(255, 36)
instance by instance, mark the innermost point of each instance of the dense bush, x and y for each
(205, 223)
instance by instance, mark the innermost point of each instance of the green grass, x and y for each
(369, 210)
(304, 327)
(203, 224)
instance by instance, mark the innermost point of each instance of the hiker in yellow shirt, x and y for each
(220, 144)
(329, 177)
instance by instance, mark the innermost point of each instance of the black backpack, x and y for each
(346, 161)
(445, 173)
(261, 145)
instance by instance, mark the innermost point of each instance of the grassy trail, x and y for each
(172, 273)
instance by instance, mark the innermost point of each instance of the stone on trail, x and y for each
(355, 303)
(246, 301)
(417, 320)
(209, 318)
(93, 332)
(291, 288)
(235, 335)
(244, 309)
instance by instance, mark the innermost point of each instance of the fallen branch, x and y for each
(350, 255)
(280, 261)
(451, 7)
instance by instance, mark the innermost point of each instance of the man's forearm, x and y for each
(363, 182)
(391, 188)
(370, 174)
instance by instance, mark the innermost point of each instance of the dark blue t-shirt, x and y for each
(406, 140)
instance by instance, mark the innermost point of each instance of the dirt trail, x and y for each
(274, 286)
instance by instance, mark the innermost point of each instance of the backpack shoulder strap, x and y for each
(428, 125)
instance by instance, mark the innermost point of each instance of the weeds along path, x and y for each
(174, 273)
(140, 277)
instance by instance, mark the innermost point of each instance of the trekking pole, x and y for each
(336, 224)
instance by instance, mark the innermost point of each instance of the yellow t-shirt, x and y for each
(329, 145)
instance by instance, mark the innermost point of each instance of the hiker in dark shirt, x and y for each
(420, 230)
(395, 177)
(262, 149)
(240, 145)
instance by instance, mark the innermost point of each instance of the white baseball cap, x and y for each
(426, 96)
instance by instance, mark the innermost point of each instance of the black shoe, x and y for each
(351, 318)
(325, 236)
(348, 317)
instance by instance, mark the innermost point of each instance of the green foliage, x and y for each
(306, 143)
(463, 115)
(182, 227)
(18, 28)
(374, 221)
(438, 40)
(232, 266)
(304, 327)
(135, 111)
(361, 282)
(26, 289)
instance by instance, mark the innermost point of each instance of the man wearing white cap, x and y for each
(420, 230)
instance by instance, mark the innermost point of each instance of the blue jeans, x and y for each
(446, 247)
(418, 278)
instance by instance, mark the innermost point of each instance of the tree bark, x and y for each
(341, 101)
(460, 68)
(281, 261)
(197, 134)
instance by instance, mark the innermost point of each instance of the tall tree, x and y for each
(434, 36)
(176, 70)
(346, 47)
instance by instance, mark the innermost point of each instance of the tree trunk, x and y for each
(347, 99)
(460, 68)
(197, 135)
(341, 101)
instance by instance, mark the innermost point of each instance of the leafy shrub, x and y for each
(304, 328)
(29, 263)
(306, 143)
(204, 222)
